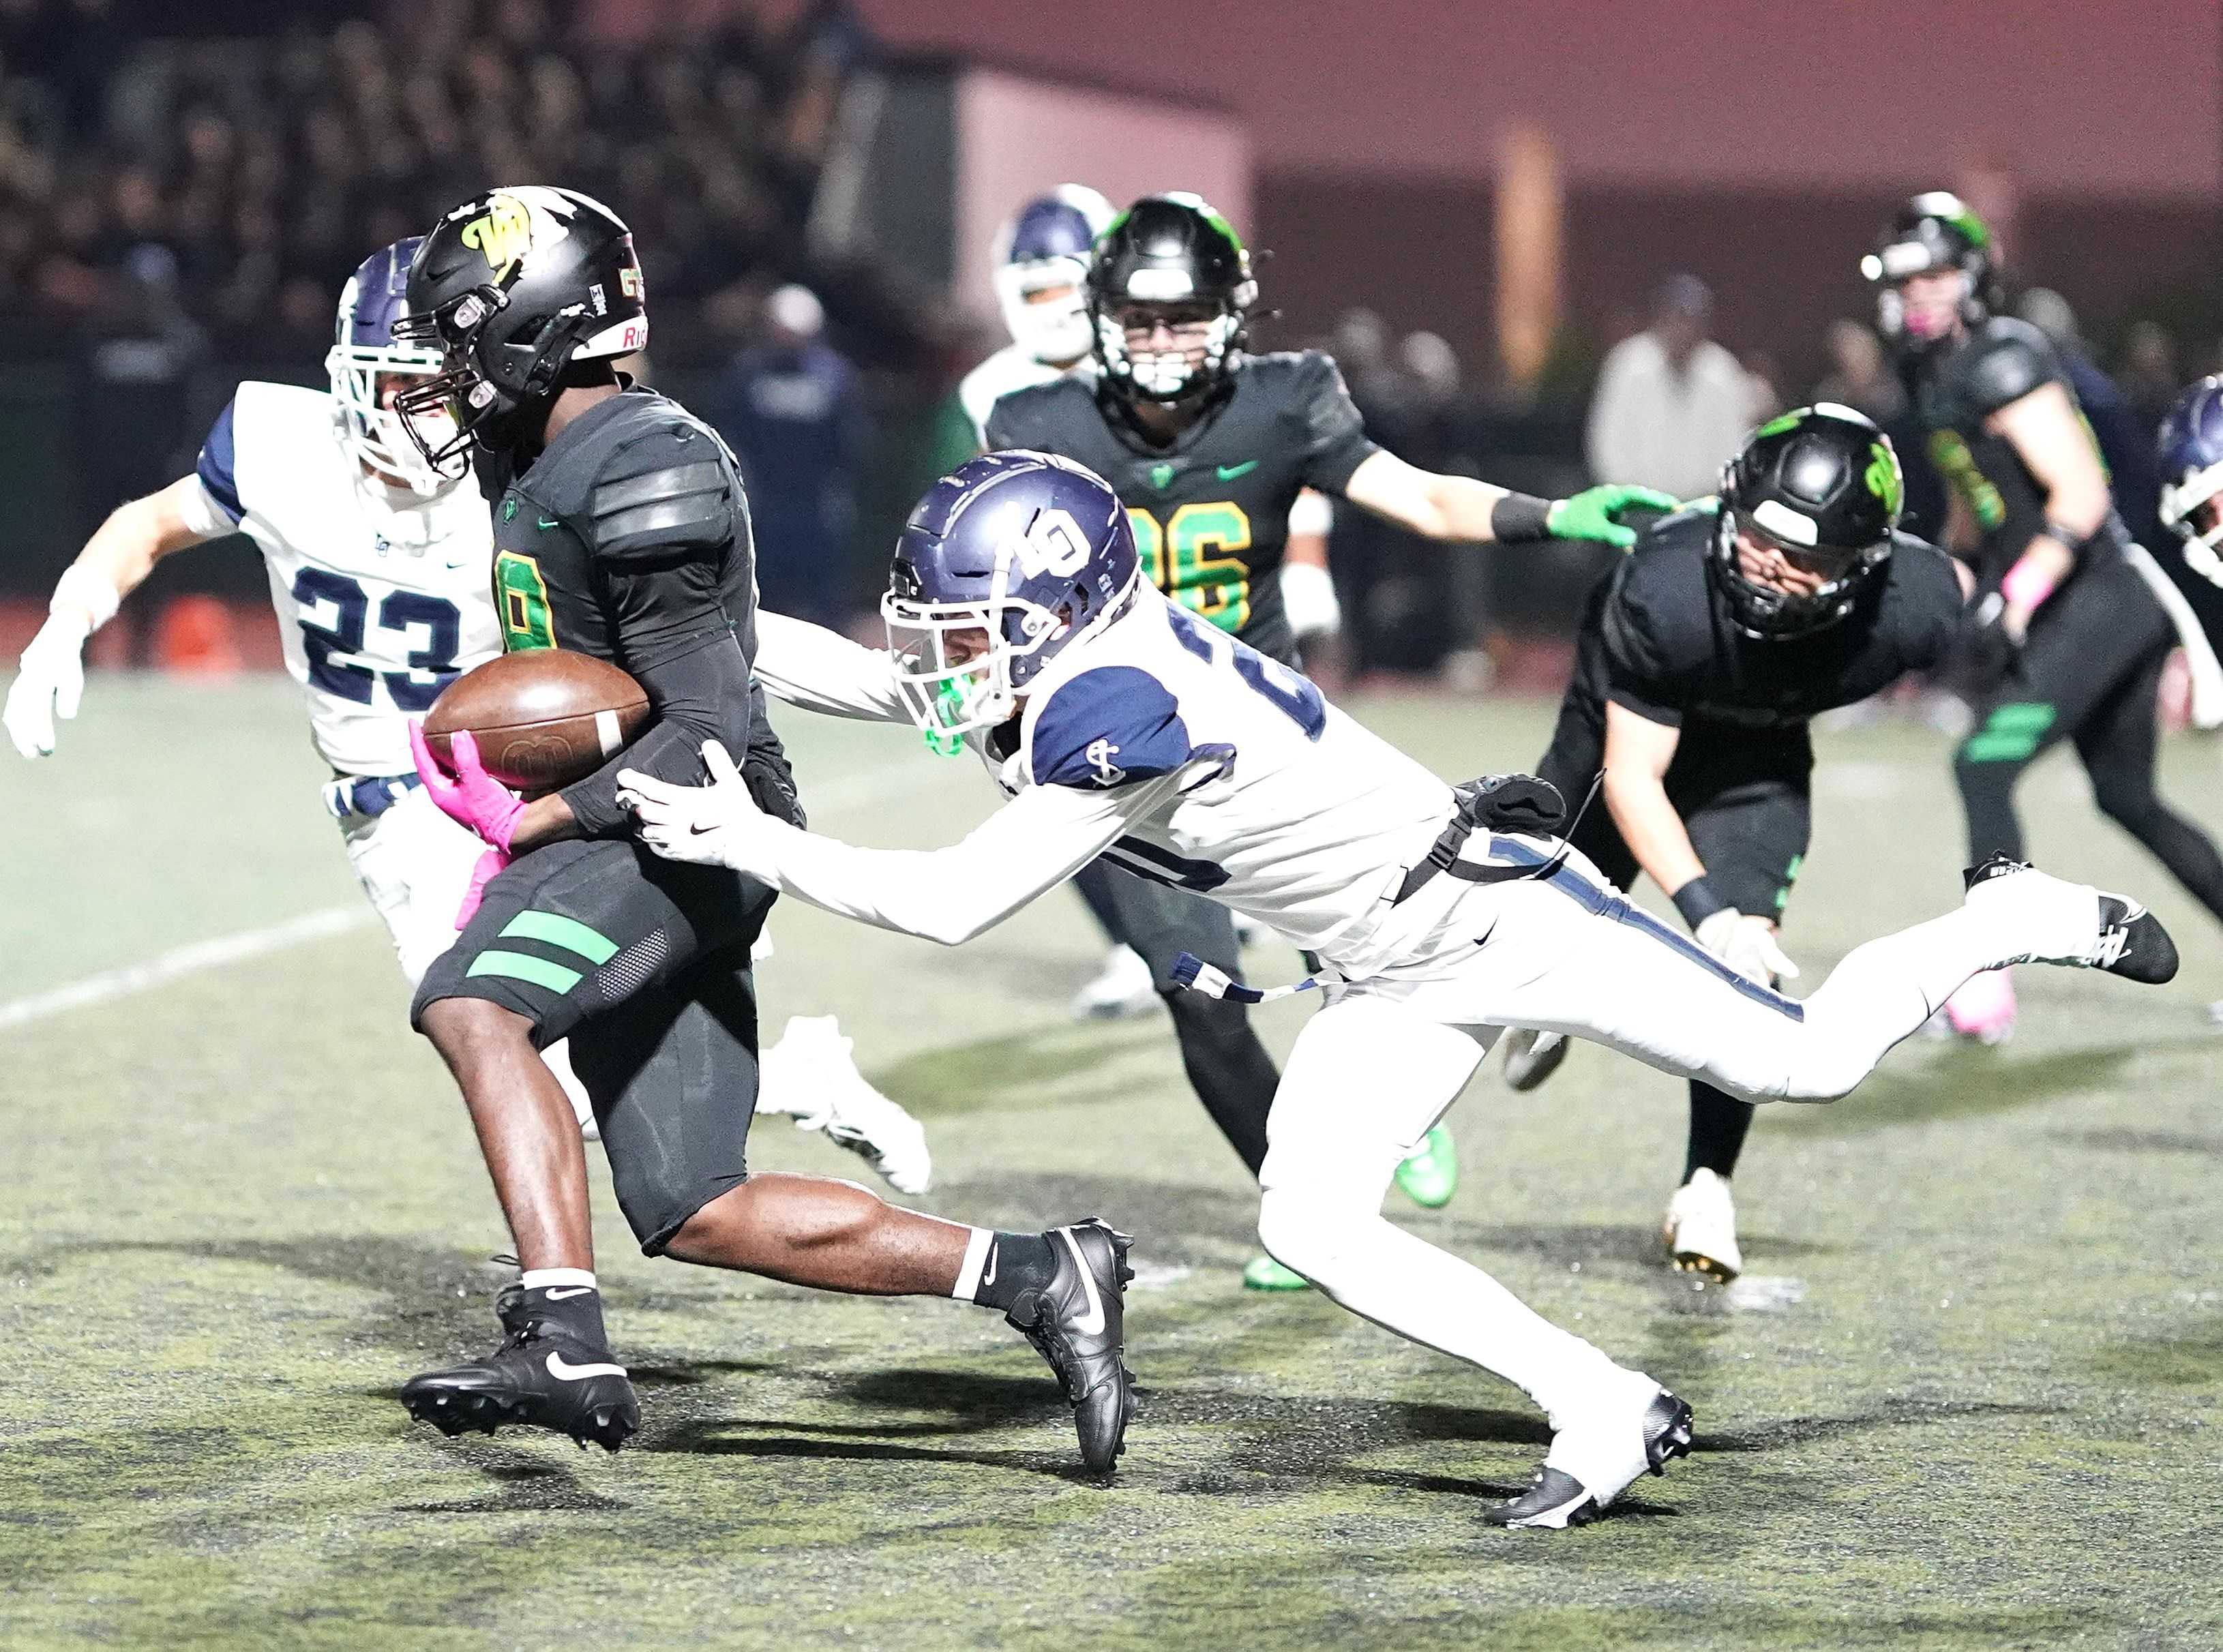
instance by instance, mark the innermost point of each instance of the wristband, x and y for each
(1696, 901)
(2026, 584)
(80, 588)
(1520, 517)
(2062, 535)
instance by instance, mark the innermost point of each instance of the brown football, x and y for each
(543, 718)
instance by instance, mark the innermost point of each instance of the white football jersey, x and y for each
(1009, 369)
(1218, 770)
(382, 599)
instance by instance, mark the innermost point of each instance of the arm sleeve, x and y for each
(1032, 844)
(703, 693)
(1639, 676)
(1333, 436)
(219, 476)
(809, 666)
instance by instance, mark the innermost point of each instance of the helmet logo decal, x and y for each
(1883, 478)
(1053, 544)
(503, 235)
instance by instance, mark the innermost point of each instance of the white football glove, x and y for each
(52, 683)
(1748, 945)
(717, 824)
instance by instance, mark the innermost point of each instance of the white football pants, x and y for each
(1386, 1057)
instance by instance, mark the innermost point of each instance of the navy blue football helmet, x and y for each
(364, 351)
(1041, 263)
(1009, 560)
(2192, 474)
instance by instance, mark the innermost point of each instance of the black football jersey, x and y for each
(627, 538)
(1659, 639)
(1953, 391)
(1211, 510)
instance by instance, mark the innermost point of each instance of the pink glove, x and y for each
(470, 796)
(489, 866)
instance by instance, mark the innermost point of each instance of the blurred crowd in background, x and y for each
(178, 208)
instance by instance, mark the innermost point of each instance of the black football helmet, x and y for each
(1934, 231)
(1823, 486)
(1174, 254)
(514, 287)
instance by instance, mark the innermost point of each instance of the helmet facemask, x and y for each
(963, 667)
(1765, 611)
(444, 414)
(374, 434)
(1173, 374)
(2192, 508)
(1054, 331)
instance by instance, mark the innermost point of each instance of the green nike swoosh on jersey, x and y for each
(1229, 472)
(546, 523)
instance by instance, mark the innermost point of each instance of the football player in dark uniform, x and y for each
(1703, 659)
(621, 530)
(1207, 447)
(2070, 626)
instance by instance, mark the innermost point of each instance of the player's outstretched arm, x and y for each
(114, 563)
(1437, 506)
(820, 670)
(1032, 844)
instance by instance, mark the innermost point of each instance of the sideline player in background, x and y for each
(621, 530)
(1703, 659)
(1208, 447)
(380, 572)
(2070, 628)
(1117, 722)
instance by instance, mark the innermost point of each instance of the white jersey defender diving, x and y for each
(1118, 725)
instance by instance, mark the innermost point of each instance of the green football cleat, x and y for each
(1430, 1177)
(1264, 1273)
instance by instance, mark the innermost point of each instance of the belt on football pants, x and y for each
(365, 797)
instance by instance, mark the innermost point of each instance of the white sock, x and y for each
(543, 1278)
(977, 1242)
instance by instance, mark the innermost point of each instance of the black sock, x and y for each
(576, 1311)
(1718, 1123)
(1227, 1067)
(1016, 1264)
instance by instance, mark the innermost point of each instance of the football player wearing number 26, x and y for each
(1208, 447)
(1118, 723)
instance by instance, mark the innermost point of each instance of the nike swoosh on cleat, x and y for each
(1093, 1324)
(563, 1371)
(563, 1293)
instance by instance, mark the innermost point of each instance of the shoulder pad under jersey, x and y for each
(670, 487)
(2005, 361)
(1106, 727)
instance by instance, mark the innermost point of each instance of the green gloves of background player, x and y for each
(1590, 514)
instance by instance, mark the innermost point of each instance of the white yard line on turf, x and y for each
(183, 961)
(851, 791)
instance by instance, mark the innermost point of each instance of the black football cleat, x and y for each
(2131, 942)
(1078, 1323)
(541, 1377)
(1556, 1500)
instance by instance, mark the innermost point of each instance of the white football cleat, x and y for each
(1122, 988)
(1532, 1057)
(2054, 921)
(811, 1074)
(1701, 1228)
(1593, 1460)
